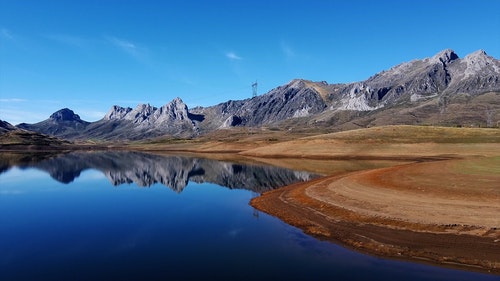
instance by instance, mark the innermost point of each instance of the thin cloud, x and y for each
(12, 100)
(16, 40)
(123, 44)
(233, 56)
(6, 34)
(17, 115)
(132, 49)
(287, 50)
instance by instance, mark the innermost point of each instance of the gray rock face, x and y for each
(117, 113)
(476, 73)
(145, 114)
(444, 73)
(295, 99)
(232, 121)
(65, 114)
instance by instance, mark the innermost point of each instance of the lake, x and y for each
(137, 216)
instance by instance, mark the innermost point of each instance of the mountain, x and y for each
(63, 123)
(443, 89)
(296, 99)
(439, 90)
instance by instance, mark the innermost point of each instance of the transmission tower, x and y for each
(254, 89)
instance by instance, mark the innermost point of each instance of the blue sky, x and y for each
(89, 55)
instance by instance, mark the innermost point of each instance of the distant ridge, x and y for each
(440, 90)
(15, 138)
(62, 123)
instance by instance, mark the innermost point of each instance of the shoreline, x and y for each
(378, 232)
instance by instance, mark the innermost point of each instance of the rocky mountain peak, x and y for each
(117, 112)
(140, 113)
(178, 100)
(65, 114)
(478, 57)
(145, 109)
(445, 56)
(478, 73)
(297, 84)
(478, 53)
(174, 110)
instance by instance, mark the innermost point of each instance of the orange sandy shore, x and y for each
(444, 212)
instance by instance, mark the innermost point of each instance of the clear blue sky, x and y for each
(89, 55)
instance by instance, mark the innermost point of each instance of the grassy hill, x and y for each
(388, 141)
(25, 140)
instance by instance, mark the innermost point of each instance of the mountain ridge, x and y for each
(443, 89)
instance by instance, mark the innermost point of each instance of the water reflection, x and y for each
(147, 169)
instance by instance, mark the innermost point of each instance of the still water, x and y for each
(134, 216)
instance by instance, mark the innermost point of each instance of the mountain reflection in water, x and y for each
(147, 169)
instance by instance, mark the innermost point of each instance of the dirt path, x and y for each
(442, 212)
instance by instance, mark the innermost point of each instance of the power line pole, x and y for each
(254, 89)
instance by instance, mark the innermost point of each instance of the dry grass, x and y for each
(415, 134)
(389, 142)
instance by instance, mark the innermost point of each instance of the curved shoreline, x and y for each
(355, 209)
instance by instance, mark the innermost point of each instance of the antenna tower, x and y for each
(254, 89)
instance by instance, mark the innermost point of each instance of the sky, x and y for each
(90, 55)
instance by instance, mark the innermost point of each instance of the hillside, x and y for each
(387, 142)
(22, 140)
